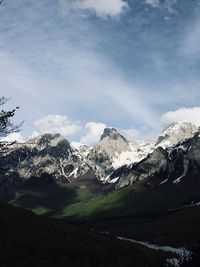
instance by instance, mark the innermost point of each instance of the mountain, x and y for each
(104, 153)
(176, 132)
(138, 151)
(118, 151)
(50, 155)
(113, 160)
(114, 151)
(170, 163)
(53, 156)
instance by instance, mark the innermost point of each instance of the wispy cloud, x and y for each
(190, 47)
(153, 3)
(102, 8)
(165, 5)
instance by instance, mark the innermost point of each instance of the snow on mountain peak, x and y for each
(176, 132)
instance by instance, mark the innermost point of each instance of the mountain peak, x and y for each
(179, 127)
(48, 139)
(176, 132)
(113, 134)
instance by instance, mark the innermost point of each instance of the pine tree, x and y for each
(6, 125)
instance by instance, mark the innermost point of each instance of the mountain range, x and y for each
(114, 160)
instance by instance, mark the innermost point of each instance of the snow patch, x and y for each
(74, 173)
(135, 153)
(113, 181)
(173, 262)
(177, 180)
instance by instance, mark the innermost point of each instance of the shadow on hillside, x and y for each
(148, 199)
(45, 196)
(30, 240)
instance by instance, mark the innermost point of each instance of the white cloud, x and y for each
(14, 137)
(102, 8)
(182, 115)
(93, 132)
(57, 124)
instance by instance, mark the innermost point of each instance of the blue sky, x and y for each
(78, 66)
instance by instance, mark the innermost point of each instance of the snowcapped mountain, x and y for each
(114, 151)
(104, 153)
(114, 159)
(176, 132)
(123, 152)
(168, 163)
(46, 155)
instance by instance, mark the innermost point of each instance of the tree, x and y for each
(6, 126)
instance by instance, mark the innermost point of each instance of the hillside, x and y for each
(31, 240)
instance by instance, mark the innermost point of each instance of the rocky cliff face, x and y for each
(48, 154)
